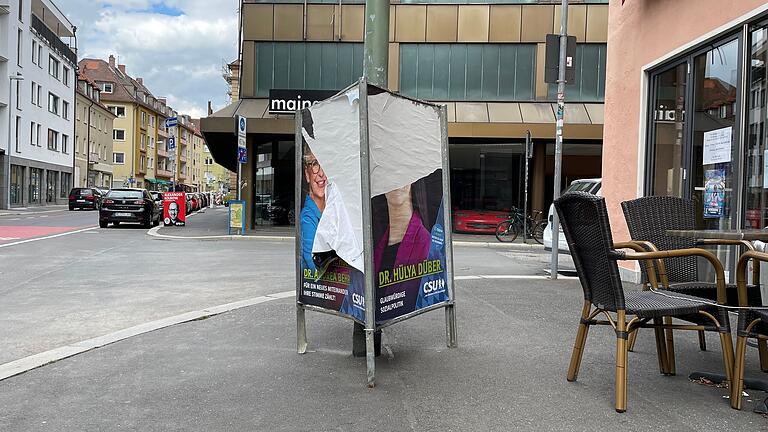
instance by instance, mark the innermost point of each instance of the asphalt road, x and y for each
(66, 289)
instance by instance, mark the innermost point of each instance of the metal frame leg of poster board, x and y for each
(301, 321)
(450, 309)
(365, 178)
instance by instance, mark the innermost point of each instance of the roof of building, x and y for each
(95, 87)
(125, 88)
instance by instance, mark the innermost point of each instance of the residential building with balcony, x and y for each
(93, 136)
(37, 101)
(485, 60)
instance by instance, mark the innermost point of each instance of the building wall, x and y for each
(98, 142)
(636, 40)
(127, 146)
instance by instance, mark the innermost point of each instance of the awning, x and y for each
(219, 128)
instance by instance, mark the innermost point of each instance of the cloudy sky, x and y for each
(177, 46)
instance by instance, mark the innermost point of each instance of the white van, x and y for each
(592, 186)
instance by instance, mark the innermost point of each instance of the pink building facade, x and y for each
(685, 109)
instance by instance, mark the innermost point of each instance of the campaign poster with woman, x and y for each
(331, 252)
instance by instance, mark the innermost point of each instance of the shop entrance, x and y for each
(273, 200)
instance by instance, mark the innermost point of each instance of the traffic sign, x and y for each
(171, 142)
(171, 122)
(241, 126)
(242, 155)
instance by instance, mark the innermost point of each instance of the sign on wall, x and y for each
(284, 101)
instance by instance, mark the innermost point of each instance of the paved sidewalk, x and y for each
(32, 210)
(239, 372)
(212, 222)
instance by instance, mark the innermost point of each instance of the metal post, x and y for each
(450, 309)
(375, 62)
(301, 322)
(525, 192)
(559, 133)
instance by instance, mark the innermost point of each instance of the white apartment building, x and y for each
(38, 66)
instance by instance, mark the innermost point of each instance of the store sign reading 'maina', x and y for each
(284, 101)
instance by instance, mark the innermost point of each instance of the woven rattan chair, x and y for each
(752, 324)
(648, 219)
(585, 223)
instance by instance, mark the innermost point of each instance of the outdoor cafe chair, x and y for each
(753, 323)
(585, 223)
(648, 220)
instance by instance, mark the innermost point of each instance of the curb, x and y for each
(516, 246)
(30, 213)
(35, 361)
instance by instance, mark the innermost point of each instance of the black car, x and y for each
(83, 198)
(130, 205)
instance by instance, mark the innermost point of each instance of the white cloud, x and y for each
(179, 57)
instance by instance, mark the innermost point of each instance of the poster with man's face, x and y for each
(174, 208)
(330, 219)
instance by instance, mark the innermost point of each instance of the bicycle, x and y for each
(508, 230)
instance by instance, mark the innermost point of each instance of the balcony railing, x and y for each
(54, 40)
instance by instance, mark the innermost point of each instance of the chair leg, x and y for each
(661, 348)
(702, 341)
(738, 372)
(578, 346)
(762, 349)
(727, 345)
(671, 370)
(621, 363)
(632, 339)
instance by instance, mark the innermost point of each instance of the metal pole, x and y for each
(525, 193)
(375, 61)
(559, 133)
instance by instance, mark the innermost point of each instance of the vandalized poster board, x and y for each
(373, 199)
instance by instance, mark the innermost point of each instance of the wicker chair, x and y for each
(585, 223)
(752, 324)
(648, 219)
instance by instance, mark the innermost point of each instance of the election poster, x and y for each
(407, 206)
(174, 208)
(329, 231)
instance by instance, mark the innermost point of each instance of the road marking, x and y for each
(8, 238)
(47, 237)
(537, 277)
(35, 361)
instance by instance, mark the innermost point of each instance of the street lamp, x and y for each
(7, 167)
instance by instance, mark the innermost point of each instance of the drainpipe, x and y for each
(88, 149)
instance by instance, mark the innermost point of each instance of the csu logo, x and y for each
(433, 286)
(358, 299)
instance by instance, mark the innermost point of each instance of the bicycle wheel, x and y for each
(506, 231)
(537, 231)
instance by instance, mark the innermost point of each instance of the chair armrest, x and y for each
(747, 245)
(674, 253)
(645, 246)
(741, 272)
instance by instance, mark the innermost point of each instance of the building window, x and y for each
(37, 135)
(19, 44)
(106, 87)
(18, 132)
(589, 76)
(35, 182)
(118, 111)
(18, 94)
(34, 93)
(297, 65)
(39, 95)
(143, 119)
(50, 186)
(53, 67)
(65, 76)
(32, 133)
(142, 161)
(66, 183)
(21, 10)
(17, 184)
(141, 141)
(40, 56)
(53, 103)
(53, 140)
(118, 134)
(64, 143)
(34, 52)
(471, 72)
(65, 110)
(118, 158)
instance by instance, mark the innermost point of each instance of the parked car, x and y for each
(593, 186)
(83, 198)
(188, 197)
(477, 221)
(129, 205)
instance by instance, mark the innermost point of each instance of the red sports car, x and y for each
(477, 221)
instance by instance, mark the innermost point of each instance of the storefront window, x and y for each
(486, 176)
(668, 119)
(50, 186)
(35, 183)
(66, 182)
(471, 72)
(17, 184)
(714, 146)
(757, 144)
